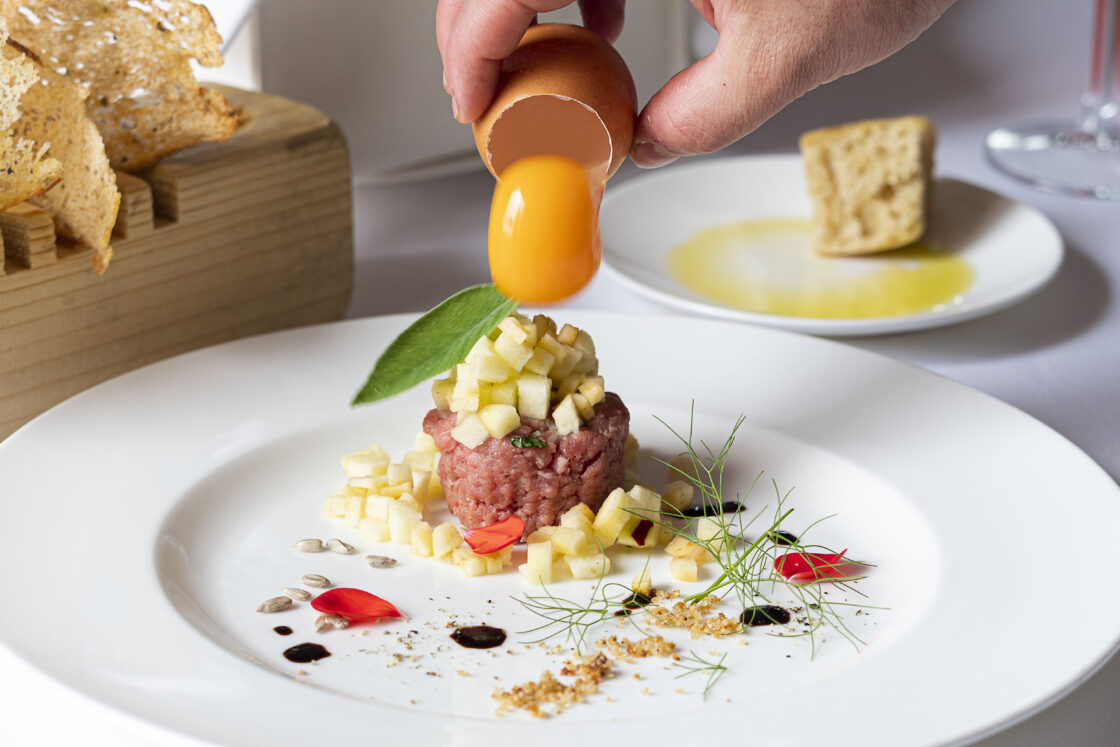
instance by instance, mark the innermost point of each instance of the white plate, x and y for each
(150, 515)
(1013, 250)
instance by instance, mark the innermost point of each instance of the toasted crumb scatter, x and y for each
(623, 648)
(697, 618)
(680, 691)
(463, 673)
(588, 672)
(645, 691)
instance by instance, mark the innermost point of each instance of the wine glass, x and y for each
(1080, 157)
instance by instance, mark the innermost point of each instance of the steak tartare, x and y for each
(496, 479)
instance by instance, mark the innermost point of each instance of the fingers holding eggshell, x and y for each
(604, 17)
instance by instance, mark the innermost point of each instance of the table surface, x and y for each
(1056, 356)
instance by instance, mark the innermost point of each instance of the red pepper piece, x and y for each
(355, 605)
(486, 540)
(804, 567)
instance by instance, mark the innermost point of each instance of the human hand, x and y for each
(769, 53)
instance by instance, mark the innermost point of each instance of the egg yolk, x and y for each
(544, 229)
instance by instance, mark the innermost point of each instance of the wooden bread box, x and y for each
(217, 242)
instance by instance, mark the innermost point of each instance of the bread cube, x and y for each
(869, 183)
(684, 569)
(499, 419)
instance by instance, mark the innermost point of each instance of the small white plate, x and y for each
(1013, 250)
(144, 520)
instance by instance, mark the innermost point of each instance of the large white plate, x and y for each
(1013, 250)
(150, 515)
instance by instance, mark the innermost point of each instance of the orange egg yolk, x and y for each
(544, 229)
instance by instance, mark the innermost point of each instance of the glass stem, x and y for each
(1100, 106)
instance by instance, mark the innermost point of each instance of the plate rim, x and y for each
(396, 320)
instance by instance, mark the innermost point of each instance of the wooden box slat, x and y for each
(217, 242)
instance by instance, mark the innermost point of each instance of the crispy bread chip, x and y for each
(84, 204)
(134, 56)
(26, 170)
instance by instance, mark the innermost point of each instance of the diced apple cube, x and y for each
(542, 534)
(402, 518)
(465, 394)
(421, 482)
(399, 473)
(681, 547)
(353, 513)
(469, 563)
(377, 508)
(499, 419)
(568, 385)
(541, 362)
(642, 583)
(370, 484)
(486, 364)
(545, 325)
(570, 541)
(533, 393)
(371, 461)
(584, 344)
(411, 501)
(684, 569)
(445, 538)
(494, 563)
(566, 417)
(594, 389)
(514, 354)
(425, 443)
(374, 530)
(421, 459)
(420, 541)
(580, 521)
(567, 334)
(678, 494)
(583, 407)
(334, 506)
(470, 431)
(632, 447)
(504, 393)
(680, 467)
(395, 490)
(538, 562)
(588, 566)
(613, 517)
(513, 327)
(441, 393)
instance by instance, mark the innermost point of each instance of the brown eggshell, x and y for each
(563, 91)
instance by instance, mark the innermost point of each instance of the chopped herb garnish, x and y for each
(527, 442)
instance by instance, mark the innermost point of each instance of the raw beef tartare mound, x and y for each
(496, 479)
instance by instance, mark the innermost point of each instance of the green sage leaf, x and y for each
(436, 342)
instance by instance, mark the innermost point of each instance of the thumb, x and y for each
(711, 104)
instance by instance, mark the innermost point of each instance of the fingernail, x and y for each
(454, 108)
(649, 155)
(445, 86)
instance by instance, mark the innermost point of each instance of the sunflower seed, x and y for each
(314, 579)
(309, 545)
(276, 604)
(334, 544)
(380, 561)
(299, 595)
(330, 621)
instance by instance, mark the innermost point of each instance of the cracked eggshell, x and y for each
(566, 91)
